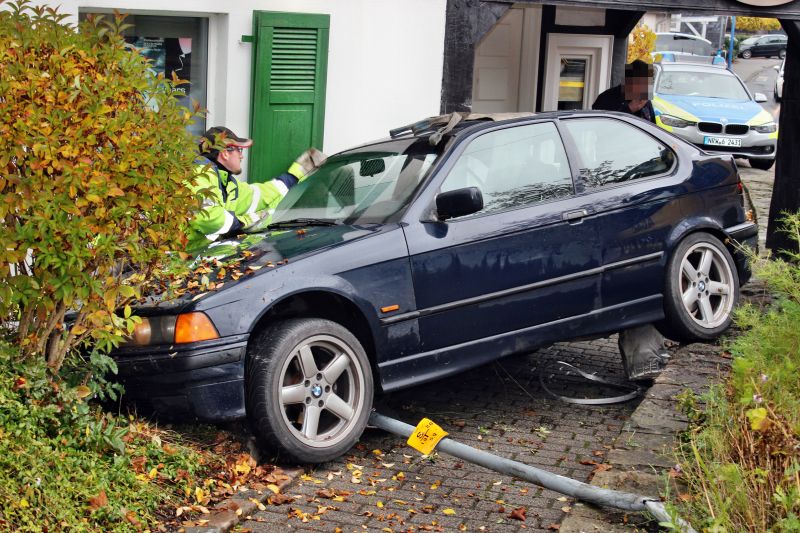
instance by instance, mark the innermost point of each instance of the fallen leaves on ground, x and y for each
(99, 501)
(518, 514)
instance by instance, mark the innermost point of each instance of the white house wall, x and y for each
(384, 61)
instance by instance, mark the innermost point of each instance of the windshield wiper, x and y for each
(295, 222)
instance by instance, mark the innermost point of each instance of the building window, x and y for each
(173, 44)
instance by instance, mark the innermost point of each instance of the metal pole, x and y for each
(730, 44)
(571, 487)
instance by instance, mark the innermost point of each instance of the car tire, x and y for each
(761, 164)
(309, 389)
(747, 54)
(701, 290)
(782, 54)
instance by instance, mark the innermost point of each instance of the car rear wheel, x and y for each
(702, 289)
(762, 164)
(309, 389)
(782, 54)
(747, 54)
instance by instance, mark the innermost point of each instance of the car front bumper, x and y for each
(202, 381)
(754, 145)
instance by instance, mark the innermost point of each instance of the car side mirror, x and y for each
(458, 203)
(760, 97)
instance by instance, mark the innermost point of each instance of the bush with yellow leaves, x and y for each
(94, 157)
(641, 43)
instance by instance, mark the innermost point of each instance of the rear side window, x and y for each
(614, 152)
(514, 167)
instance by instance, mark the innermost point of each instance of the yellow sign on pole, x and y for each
(426, 436)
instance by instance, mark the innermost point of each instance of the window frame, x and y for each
(455, 157)
(583, 188)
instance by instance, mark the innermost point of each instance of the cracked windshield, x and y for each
(372, 184)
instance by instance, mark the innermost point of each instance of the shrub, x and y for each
(742, 461)
(642, 42)
(65, 465)
(757, 24)
(94, 154)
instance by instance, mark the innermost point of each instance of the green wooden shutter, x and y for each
(288, 98)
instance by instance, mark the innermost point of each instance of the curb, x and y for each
(642, 454)
(227, 513)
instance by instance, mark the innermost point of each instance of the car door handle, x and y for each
(574, 216)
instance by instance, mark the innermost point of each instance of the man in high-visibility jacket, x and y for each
(233, 206)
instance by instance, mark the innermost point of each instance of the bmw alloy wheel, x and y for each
(322, 391)
(706, 285)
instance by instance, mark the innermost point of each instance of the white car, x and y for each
(712, 108)
(779, 81)
(683, 47)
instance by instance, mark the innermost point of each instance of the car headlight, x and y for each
(173, 329)
(769, 127)
(675, 122)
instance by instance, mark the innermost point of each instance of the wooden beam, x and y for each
(790, 10)
(786, 189)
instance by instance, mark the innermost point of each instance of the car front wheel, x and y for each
(702, 289)
(309, 389)
(747, 54)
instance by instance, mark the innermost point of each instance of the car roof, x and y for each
(694, 67)
(683, 36)
(470, 122)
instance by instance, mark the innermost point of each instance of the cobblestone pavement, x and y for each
(500, 408)
(759, 186)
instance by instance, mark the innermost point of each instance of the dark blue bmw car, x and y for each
(440, 249)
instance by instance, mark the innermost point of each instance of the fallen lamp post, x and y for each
(571, 487)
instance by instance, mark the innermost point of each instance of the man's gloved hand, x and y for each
(306, 163)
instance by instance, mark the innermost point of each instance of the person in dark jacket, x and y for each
(634, 95)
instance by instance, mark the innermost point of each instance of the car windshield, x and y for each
(705, 84)
(371, 184)
(750, 40)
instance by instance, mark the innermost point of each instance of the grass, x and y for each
(741, 458)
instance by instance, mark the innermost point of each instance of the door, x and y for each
(495, 79)
(628, 176)
(524, 260)
(506, 64)
(578, 68)
(288, 97)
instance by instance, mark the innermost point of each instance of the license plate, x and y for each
(723, 141)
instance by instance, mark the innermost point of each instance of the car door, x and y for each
(524, 260)
(764, 46)
(631, 177)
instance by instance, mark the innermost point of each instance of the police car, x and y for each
(712, 108)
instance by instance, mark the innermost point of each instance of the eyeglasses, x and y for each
(235, 149)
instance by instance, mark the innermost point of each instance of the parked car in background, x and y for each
(684, 47)
(711, 107)
(438, 250)
(764, 46)
(779, 81)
